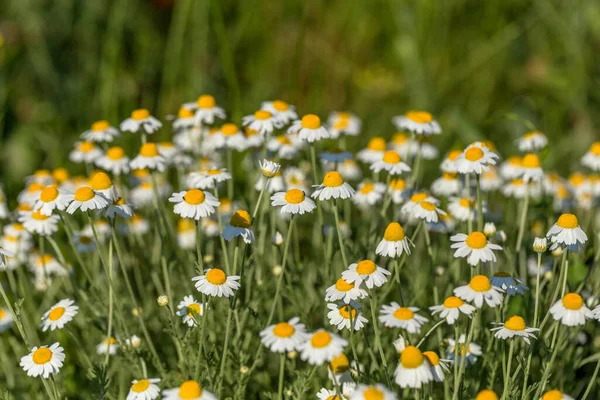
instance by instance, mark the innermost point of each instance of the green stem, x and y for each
(280, 279)
(592, 381)
(281, 374)
(339, 233)
(479, 207)
(507, 377)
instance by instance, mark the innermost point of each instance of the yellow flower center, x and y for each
(241, 219)
(340, 364)
(320, 339)
(42, 355)
(283, 140)
(366, 267)
(119, 201)
(140, 386)
(294, 196)
(454, 154)
(185, 113)
(515, 323)
(465, 203)
(372, 393)
(56, 313)
(404, 314)
(346, 310)
(311, 121)
(190, 389)
(213, 171)
(60, 174)
(476, 240)
(474, 154)
(399, 138)
(553, 395)
(37, 215)
(453, 302)
(595, 148)
(421, 117)
(35, 187)
(262, 115)
(449, 176)
(149, 150)
(568, 221)
(411, 357)
(341, 124)
(192, 309)
(398, 184)
(184, 225)
(432, 357)
(391, 157)
(140, 114)
(85, 147)
(84, 193)
(229, 129)
(115, 153)
(367, 188)
(206, 101)
(572, 301)
(480, 283)
(486, 395)
(531, 161)
(343, 286)
(418, 197)
(49, 194)
(45, 259)
(194, 197)
(110, 342)
(394, 232)
(280, 105)
(2, 314)
(100, 181)
(426, 205)
(376, 144)
(577, 178)
(216, 276)
(83, 239)
(333, 179)
(284, 330)
(100, 126)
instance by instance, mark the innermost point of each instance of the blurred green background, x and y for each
(482, 67)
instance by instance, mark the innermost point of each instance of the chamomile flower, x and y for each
(109, 346)
(419, 122)
(100, 132)
(139, 225)
(511, 285)
(449, 163)
(294, 178)
(374, 151)
(309, 129)
(532, 171)
(556, 395)
(478, 290)
(470, 352)
(333, 186)
(239, 225)
(512, 168)
(85, 198)
(486, 394)
(284, 336)
(141, 120)
(294, 201)
(188, 390)
(6, 319)
(281, 110)
(325, 394)
(475, 247)
(462, 208)
(59, 315)
(415, 199)
(451, 309)
(591, 158)
(566, 232)
(115, 161)
(372, 392)
(321, 347)
(447, 185)
(102, 184)
(439, 367)
(84, 243)
(341, 314)
(532, 141)
(184, 119)
(207, 110)
(413, 370)
(490, 180)
(36, 222)
(231, 137)
(190, 310)
(118, 207)
(282, 146)
(85, 152)
(345, 291)
(398, 190)
(396, 316)
(571, 310)
(216, 283)
(148, 157)
(475, 159)
(194, 203)
(263, 121)
(394, 242)
(391, 163)
(186, 234)
(269, 168)
(368, 194)
(513, 326)
(518, 188)
(44, 361)
(208, 179)
(144, 389)
(368, 272)
(344, 122)
(427, 211)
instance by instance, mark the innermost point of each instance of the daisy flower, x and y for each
(51, 198)
(490, 180)
(403, 144)
(240, 224)
(508, 283)
(394, 242)
(100, 131)
(44, 361)
(471, 352)
(391, 163)
(340, 315)
(84, 243)
(209, 178)
(190, 309)
(282, 147)
(532, 141)
(413, 370)
(486, 394)
(373, 152)
(207, 110)
(419, 122)
(566, 232)
(571, 310)
(438, 366)
(188, 390)
(333, 186)
(144, 389)
(350, 170)
(345, 291)
(85, 152)
(396, 316)
(262, 121)
(186, 234)
(449, 163)
(85, 198)
(194, 203)
(284, 336)
(149, 157)
(475, 159)
(118, 207)
(168, 150)
(36, 222)
(215, 283)
(452, 308)
(368, 272)
(532, 171)
(369, 194)
(294, 178)
(141, 119)
(321, 346)
(102, 184)
(398, 190)
(283, 111)
(556, 395)
(463, 208)
(344, 122)
(427, 211)
(512, 168)
(475, 247)
(184, 119)
(59, 315)
(269, 168)
(479, 289)
(109, 346)
(6, 319)
(293, 201)
(115, 161)
(447, 185)
(518, 188)
(373, 392)
(325, 394)
(415, 199)
(309, 128)
(139, 225)
(514, 326)
(591, 158)
(231, 137)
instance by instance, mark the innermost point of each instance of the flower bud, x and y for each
(501, 236)
(269, 168)
(557, 251)
(277, 270)
(162, 300)
(489, 229)
(244, 369)
(291, 355)
(277, 239)
(540, 245)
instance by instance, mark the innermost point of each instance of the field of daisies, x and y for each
(265, 258)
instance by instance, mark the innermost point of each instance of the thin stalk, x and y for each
(592, 381)
(281, 374)
(378, 339)
(339, 233)
(507, 377)
(283, 263)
